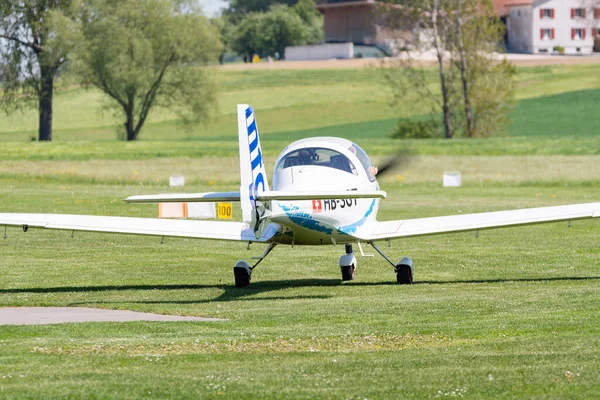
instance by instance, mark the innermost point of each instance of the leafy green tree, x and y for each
(224, 27)
(427, 19)
(36, 38)
(247, 36)
(270, 32)
(475, 90)
(486, 84)
(312, 18)
(148, 54)
(282, 27)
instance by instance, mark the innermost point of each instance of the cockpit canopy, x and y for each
(329, 158)
(317, 156)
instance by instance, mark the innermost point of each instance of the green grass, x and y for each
(567, 114)
(511, 314)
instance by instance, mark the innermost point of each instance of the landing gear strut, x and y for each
(242, 271)
(404, 269)
(348, 264)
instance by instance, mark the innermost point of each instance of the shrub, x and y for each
(559, 49)
(413, 129)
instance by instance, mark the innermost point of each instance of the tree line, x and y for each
(141, 54)
(152, 53)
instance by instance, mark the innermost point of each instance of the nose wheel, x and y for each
(348, 264)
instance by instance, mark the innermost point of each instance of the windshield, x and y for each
(364, 160)
(319, 157)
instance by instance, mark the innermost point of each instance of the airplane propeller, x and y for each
(400, 160)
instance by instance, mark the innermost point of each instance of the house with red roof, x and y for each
(532, 26)
(546, 26)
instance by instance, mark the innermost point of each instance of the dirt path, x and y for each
(62, 315)
(522, 60)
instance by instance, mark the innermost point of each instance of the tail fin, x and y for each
(252, 168)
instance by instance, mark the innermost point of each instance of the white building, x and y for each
(544, 26)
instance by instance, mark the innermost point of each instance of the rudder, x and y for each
(252, 169)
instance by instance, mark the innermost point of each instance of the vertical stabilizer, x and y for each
(252, 168)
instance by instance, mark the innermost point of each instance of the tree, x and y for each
(36, 38)
(270, 32)
(464, 36)
(427, 20)
(283, 27)
(239, 8)
(313, 19)
(148, 54)
(486, 83)
(224, 27)
(247, 35)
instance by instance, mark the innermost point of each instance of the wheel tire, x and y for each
(242, 276)
(347, 272)
(404, 275)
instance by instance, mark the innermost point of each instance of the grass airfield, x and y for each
(510, 314)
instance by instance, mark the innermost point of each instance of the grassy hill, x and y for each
(292, 104)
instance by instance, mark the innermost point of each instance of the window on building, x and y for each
(577, 13)
(547, 34)
(546, 13)
(596, 13)
(578, 33)
(595, 32)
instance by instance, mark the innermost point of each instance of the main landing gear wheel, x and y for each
(348, 272)
(404, 271)
(242, 273)
(348, 264)
(404, 275)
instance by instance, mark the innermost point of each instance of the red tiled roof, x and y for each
(502, 6)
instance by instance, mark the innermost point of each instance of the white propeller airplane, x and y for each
(324, 192)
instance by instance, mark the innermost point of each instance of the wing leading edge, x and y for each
(480, 221)
(263, 196)
(217, 230)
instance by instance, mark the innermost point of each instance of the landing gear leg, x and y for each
(348, 264)
(404, 269)
(242, 271)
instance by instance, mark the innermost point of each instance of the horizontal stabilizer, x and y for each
(184, 197)
(321, 195)
(263, 196)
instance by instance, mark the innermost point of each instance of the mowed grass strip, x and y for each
(345, 343)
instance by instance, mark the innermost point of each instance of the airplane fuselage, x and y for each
(334, 166)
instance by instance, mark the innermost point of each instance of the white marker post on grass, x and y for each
(452, 179)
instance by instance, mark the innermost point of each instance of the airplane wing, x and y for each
(263, 196)
(218, 230)
(480, 221)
